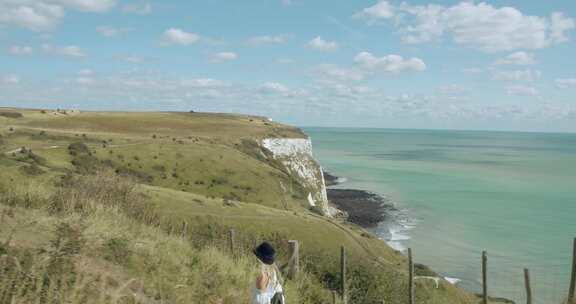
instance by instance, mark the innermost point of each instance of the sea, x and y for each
(459, 193)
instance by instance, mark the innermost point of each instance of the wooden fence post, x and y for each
(410, 277)
(528, 287)
(231, 240)
(484, 280)
(294, 260)
(185, 229)
(571, 293)
(343, 274)
(334, 297)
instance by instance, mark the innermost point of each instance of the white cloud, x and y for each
(521, 90)
(223, 57)
(286, 2)
(89, 5)
(139, 9)
(45, 15)
(110, 31)
(276, 90)
(391, 64)
(560, 24)
(365, 65)
(318, 102)
(517, 75)
(476, 25)
(322, 45)
(66, 51)
(517, 58)
(180, 37)
(566, 83)
(380, 10)
(267, 39)
(330, 72)
(202, 83)
(33, 15)
(9, 79)
(274, 87)
(20, 50)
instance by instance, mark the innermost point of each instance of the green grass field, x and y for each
(188, 179)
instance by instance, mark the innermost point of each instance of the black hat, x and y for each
(265, 253)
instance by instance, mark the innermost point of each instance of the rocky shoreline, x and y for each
(368, 209)
(330, 179)
(364, 208)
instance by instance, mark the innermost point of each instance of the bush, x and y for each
(140, 176)
(30, 157)
(117, 250)
(14, 115)
(84, 194)
(86, 164)
(32, 170)
(159, 168)
(78, 148)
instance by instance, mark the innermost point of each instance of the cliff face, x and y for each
(296, 155)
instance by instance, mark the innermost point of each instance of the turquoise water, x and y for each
(511, 194)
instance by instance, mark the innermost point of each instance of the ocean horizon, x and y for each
(460, 192)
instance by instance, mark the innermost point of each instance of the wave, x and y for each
(453, 281)
(395, 230)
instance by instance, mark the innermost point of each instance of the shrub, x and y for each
(140, 176)
(32, 170)
(30, 157)
(117, 250)
(219, 180)
(87, 164)
(159, 168)
(14, 115)
(68, 241)
(83, 194)
(77, 148)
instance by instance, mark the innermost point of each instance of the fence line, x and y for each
(520, 282)
(571, 298)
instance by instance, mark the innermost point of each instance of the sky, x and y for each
(491, 65)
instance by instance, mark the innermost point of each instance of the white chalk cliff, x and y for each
(296, 155)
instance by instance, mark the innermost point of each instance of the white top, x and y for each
(266, 295)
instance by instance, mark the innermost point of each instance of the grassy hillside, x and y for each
(136, 207)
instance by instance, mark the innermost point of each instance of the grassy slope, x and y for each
(192, 162)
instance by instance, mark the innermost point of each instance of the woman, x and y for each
(268, 289)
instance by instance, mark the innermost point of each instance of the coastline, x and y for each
(364, 208)
(372, 211)
(378, 214)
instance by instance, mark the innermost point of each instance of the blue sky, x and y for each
(497, 65)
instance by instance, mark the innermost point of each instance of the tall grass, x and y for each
(105, 244)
